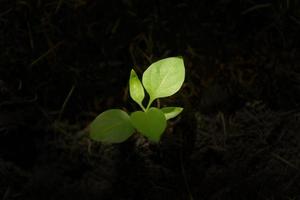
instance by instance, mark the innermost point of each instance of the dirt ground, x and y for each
(63, 62)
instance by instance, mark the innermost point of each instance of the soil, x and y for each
(64, 62)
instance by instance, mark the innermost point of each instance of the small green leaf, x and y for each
(136, 89)
(111, 126)
(151, 123)
(164, 77)
(171, 112)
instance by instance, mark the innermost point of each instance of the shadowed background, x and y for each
(62, 62)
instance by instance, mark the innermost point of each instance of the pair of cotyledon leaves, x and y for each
(161, 79)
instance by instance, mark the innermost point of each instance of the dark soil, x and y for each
(63, 62)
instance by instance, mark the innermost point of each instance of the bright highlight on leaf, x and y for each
(111, 126)
(162, 79)
(171, 112)
(151, 123)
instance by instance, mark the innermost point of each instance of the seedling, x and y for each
(161, 79)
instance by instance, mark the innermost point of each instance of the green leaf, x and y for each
(111, 126)
(151, 123)
(171, 112)
(136, 89)
(164, 77)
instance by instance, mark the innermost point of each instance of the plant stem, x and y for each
(149, 104)
(143, 108)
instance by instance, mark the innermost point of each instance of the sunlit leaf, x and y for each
(136, 88)
(171, 112)
(164, 77)
(151, 123)
(111, 126)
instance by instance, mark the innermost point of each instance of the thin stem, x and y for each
(149, 104)
(143, 108)
(224, 127)
(65, 102)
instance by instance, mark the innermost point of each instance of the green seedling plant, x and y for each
(161, 79)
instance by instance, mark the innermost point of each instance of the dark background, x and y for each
(62, 62)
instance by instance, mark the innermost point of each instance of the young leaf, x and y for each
(136, 89)
(111, 126)
(151, 123)
(171, 112)
(164, 77)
